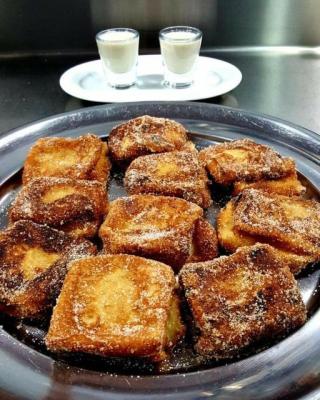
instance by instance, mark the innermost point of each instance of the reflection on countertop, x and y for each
(282, 82)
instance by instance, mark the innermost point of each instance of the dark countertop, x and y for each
(282, 82)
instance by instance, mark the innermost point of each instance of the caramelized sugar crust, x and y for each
(74, 206)
(205, 242)
(34, 260)
(231, 237)
(287, 186)
(125, 306)
(244, 160)
(292, 222)
(189, 146)
(145, 135)
(84, 157)
(157, 227)
(177, 173)
(241, 300)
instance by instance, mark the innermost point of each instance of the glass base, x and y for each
(177, 85)
(121, 86)
(121, 81)
(177, 81)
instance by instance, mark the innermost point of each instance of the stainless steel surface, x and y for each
(64, 25)
(224, 22)
(283, 82)
(288, 370)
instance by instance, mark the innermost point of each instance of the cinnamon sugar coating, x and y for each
(73, 206)
(123, 308)
(244, 160)
(157, 227)
(145, 135)
(231, 235)
(287, 186)
(204, 243)
(122, 305)
(292, 222)
(177, 173)
(34, 261)
(240, 301)
(84, 157)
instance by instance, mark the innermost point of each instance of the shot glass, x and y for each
(118, 50)
(180, 47)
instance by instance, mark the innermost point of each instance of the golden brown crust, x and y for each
(121, 308)
(244, 160)
(156, 227)
(73, 206)
(287, 186)
(177, 173)
(84, 157)
(205, 242)
(231, 238)
(241, 300)
(101, 171)
(34, 260)
(145, 135)
(292, 222)
(189, 146)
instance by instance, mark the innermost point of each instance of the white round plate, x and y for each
(212, 78)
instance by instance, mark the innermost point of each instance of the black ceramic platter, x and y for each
(289, 369)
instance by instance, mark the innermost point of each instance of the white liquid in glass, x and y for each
(118, 50)
(180, 51)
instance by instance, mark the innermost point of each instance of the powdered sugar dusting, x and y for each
(145, 135)
(239, 300)
(177, 173)
(292, 222)
(244, 160)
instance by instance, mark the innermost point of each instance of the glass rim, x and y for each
(182, 28)
(134, 31)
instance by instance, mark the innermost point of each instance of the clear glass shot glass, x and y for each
(180, 47)
(118, 49)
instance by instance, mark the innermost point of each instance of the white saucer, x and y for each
(212, 78)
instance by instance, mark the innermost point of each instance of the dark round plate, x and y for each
(287, 370)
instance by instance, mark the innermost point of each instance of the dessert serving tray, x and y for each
(288, 369)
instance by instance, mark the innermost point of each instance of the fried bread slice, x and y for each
(292, 222)
(157, 227)
(73, 206)
(241, 301)
(176, 173)
(84, 157)
(287, 186)
(145, 135)
(125, 307)
(205, 242)
(244, 160)
(34, 260)
(231, 238)
(189, 146)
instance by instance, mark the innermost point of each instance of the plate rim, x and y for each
(70, 87)
(201, 108)
(257, 120)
